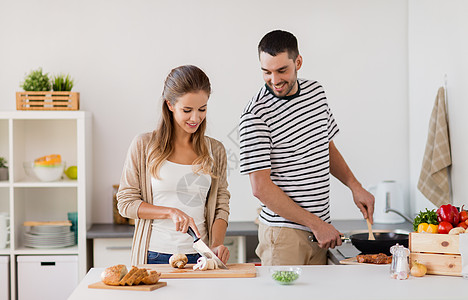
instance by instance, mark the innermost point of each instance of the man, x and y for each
(286, 147)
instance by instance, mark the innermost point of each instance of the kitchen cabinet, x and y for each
(58, 273)
(4, 277)
(113, 251)
(25, 136)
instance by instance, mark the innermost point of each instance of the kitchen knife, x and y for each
(203, 249)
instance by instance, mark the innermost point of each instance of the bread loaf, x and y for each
(119, 275)
(126, 279)
(113, 275)
(151, 277)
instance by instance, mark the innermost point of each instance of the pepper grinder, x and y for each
(400, 262)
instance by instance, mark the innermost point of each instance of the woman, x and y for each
(175, 177)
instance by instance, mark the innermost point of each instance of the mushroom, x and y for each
(201, 264)
(211, 264)
(456, 230)
(178, 261)
(204, 264)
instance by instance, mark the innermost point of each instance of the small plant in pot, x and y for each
(36, 81)
(62, 82)
(3, 169)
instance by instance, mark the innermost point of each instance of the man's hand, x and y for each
(222, 252)
(365, 202)
(326, 235)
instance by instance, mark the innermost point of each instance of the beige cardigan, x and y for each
(135, 187)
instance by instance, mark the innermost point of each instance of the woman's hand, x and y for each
(182, 221)
(222, 252)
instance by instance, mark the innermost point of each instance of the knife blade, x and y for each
(203, 249)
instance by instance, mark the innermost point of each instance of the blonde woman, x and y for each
(175, 177)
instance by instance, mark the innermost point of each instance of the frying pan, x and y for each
(384, 239)
(382, 243)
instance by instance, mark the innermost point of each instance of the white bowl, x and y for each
(49, 173)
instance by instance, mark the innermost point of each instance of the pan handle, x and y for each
(343, 239)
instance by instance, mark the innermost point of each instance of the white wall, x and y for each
(119, 52)
(438, 45)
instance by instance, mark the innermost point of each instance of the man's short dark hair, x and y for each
(279, 41)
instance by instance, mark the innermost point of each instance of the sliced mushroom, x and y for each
(211, 264)
(178, 261)
(201, 265)
(204, 264)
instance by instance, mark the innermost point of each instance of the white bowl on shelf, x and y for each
(29, 169)
(49, 172)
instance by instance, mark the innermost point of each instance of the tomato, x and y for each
(463, 224)
(445, 227)
(432, 228)
(463, 215)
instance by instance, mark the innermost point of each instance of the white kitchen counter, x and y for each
(316, 282)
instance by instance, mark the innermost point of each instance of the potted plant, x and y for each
(62, 82)
(38, 95)
(3, 169)
(36, 81)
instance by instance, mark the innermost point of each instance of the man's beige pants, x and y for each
(288, 246)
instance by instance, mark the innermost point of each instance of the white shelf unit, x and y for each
(24, 136)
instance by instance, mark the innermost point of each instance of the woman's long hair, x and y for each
(180, 81)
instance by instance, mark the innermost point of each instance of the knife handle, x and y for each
(192, 233)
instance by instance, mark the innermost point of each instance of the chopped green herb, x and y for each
(428, 216)
(285, 277)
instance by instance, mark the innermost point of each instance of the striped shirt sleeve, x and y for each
(332, 127)
(255, 144)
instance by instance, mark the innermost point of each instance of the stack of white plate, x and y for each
(49, 236)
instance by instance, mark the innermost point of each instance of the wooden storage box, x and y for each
(47, 100)
(440, 253)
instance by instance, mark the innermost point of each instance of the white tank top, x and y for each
(180, 188)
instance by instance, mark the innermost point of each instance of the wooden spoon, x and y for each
(369, 227)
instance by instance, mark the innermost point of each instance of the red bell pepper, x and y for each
(448, 213)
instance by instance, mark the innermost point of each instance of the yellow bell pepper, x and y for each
(433, 228)
(429, 228)
(422, 227)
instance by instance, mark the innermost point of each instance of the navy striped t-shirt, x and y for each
(290, 136)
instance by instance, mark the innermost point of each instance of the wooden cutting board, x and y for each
(141, 287)
(233, 271)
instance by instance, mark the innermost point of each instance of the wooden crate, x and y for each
(440, 253)
(47, 100)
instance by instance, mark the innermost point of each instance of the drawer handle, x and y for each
(119, 248)
(47, 263)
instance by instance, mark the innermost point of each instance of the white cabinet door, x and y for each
(110, 252)
(47, 277)
(4, 277)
